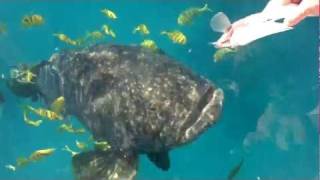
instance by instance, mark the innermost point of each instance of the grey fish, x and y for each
(138, 100)
(235, 170)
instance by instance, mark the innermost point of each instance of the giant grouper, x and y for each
(138, 100)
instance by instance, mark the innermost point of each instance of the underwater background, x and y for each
(270, 86)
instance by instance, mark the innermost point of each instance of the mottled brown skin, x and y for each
(138, 100)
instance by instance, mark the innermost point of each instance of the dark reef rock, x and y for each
(138, 100)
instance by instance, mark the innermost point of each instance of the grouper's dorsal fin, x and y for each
(161, 159)
(104, 166)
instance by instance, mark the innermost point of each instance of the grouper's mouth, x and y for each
(206, 113)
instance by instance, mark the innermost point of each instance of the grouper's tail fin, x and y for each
(104, 166)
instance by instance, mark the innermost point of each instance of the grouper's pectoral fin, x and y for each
(161, 159)
(99, 165)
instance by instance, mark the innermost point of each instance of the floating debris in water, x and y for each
(176, 37)
(222, 53)
(64, 38)
(108, 31)
(102, 145)
(70, 129)
(69, 150)
(234, 171)
(32, 20)
(142, 29)
(186, 17)
(11, 167)
(230, 86)
(148, 43)
(30, 122)
(110, 14)
(314, 115)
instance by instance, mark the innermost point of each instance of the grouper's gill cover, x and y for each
(138, 100)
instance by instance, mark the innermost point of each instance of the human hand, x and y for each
(294, 12)
(224, 40)
(305, 8)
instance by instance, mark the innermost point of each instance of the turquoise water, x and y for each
(270, 87)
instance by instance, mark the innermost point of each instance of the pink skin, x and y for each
(305, 8)
(224, 40)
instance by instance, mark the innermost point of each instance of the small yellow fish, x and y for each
(221, 53)
(148, 43)
(22, 161)
(29, 77)
(45, 113)
(24, 76)
(102, 145)
(31, 122)
(142, 29)
(3, 28)
(57, 105)
(81, 145)
(32, 20)
(95, 35)
(176, 37)
(108, 31)
(67, 149)
(109, 14)
(35, 156)
(70, 129)
(64, 38)
(40, 154)
(186, 17)
(11, 167)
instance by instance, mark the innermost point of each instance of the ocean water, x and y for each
(270, 86)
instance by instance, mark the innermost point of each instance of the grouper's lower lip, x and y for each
(210, 106)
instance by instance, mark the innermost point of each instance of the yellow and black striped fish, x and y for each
(176, 37)
(108, 31)
(221, 53)
(32, 20)
(142, 29)
(148, 43)
(186, 17)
